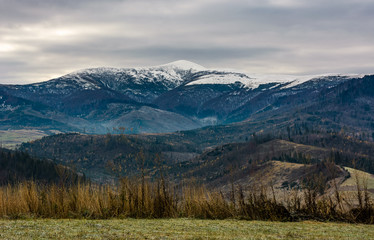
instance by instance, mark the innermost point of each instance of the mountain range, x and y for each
(183, 95)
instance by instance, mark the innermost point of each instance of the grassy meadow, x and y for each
(179, 229)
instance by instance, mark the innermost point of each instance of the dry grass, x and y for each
(142, 199)
(179, 229)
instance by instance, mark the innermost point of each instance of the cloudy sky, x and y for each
(42, 39)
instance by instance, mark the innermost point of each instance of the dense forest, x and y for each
(17, 166)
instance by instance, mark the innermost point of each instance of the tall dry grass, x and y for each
(144, 199)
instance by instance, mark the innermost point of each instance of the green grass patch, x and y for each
(179, 229)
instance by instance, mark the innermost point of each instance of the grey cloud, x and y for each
(203, 55)
(273, 36)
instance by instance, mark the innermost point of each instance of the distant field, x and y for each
(363, 177)
(179, 229)
(12, 138)
(349, 187)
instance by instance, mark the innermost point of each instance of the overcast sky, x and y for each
(42, 39)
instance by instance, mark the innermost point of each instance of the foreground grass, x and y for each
(179, 229)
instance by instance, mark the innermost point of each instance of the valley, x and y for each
(180, 124)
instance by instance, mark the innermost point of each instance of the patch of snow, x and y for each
(276, 85)
(212, 120)
(302, 79)
(224, 78)
(5, 107)
(257, 79)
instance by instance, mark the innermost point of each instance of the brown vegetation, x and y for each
(143, 199)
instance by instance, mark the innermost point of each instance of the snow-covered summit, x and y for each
(139, 82)
(171, 75)
(176, 65)
(183, 65)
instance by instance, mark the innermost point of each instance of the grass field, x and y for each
(179, 229)
(12, 138)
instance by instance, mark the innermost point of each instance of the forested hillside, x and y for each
(16, 166)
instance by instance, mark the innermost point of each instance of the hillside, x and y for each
(19, 167)
(105, 157)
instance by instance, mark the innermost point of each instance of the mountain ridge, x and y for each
(180, 94)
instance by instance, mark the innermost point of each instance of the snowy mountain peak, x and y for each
(184, 65)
